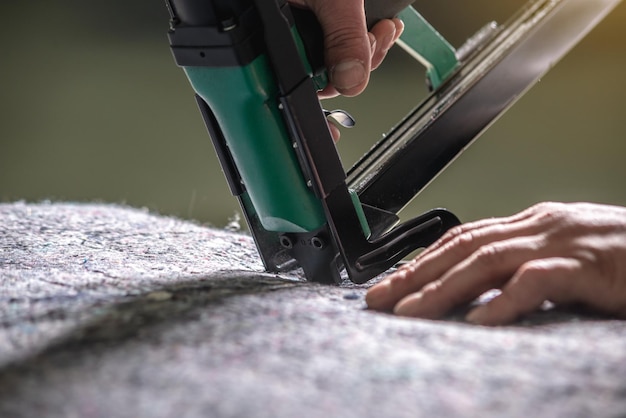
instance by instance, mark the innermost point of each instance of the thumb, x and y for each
(347, 44)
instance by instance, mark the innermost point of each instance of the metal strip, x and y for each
(436, 132)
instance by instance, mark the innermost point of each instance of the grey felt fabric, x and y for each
(108, 311)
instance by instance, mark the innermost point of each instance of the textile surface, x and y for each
(109, 311)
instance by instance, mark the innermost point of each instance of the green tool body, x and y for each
(259, 143)
(244, 100)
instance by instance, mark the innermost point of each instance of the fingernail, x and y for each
(378, 293)
(348, 74)
(477, 316)
(399, 27)
(372, 39)
(388, 41)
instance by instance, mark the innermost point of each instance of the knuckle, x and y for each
(465, 239)
(454, 232)
(450, 235)
(431, 287)
(400, 277)
(462, 245)
(546, 207)
(540, 207)
(557, 221)
(344, 37)
(529, 282)
(602, 263)
(549, 217)
(490, 254)
(532, 272)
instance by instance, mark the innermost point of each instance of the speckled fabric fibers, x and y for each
(108, 311)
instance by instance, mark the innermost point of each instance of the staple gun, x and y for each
(256, 67)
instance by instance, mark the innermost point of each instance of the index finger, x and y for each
(441, 258)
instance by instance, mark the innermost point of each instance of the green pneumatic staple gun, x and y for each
(256, 66)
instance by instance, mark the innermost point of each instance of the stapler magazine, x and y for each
(256, 67)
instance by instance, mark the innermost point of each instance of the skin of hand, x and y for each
(561, 252)
(351, 52)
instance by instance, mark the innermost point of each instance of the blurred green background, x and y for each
(93, 108)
